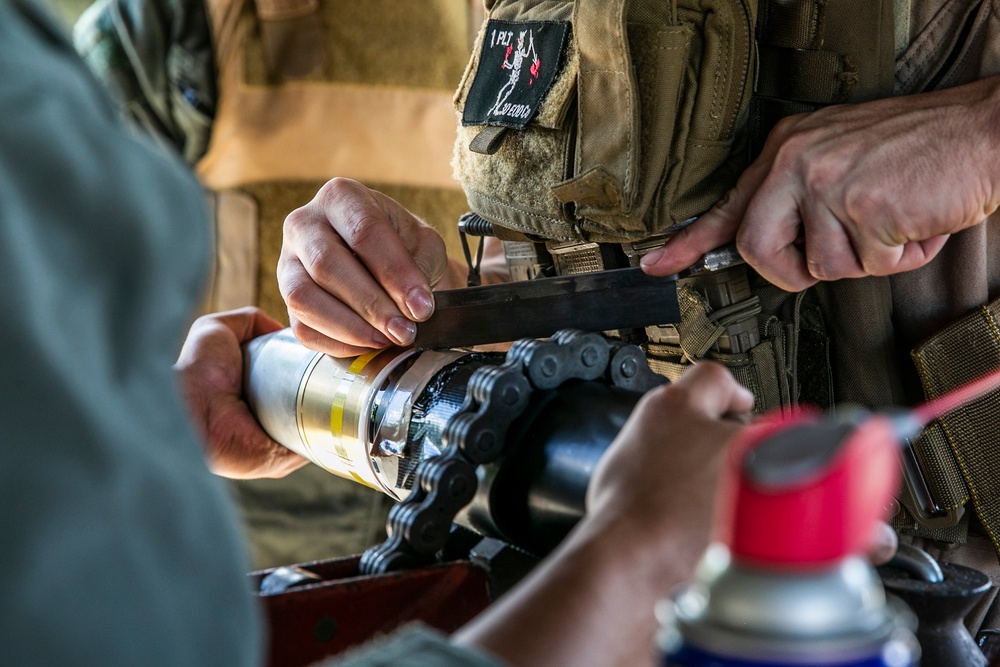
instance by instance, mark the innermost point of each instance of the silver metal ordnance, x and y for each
(386, 418)
(331, 411)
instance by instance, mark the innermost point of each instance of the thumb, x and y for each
(713, 229)
(430, 254)
(247, 323)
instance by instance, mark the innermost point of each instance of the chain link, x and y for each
(495, 397)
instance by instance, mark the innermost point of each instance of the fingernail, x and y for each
(652, 257)
(379, 340)
(420, 303)
(402, 330)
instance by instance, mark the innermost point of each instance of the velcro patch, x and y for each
(517, 66)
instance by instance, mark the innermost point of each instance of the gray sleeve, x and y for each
(118, 546)
(415, 646)
(155, 57)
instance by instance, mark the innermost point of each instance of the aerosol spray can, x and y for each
(787, 584)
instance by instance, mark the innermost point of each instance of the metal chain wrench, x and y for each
(495, 396)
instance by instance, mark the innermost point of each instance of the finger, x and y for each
(246, 323)
(316, 309)
(830, 254)
(333, 267)
(767, 238)
(708, 232)
(883, 544)
(240, 449)
(320, 342)
(918, 253)
(716, 227)
(911, 255)
(708, 388)
(374, 226)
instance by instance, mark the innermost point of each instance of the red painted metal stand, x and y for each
(345, 609)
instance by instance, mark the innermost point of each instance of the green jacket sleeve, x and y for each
(118, 546)
(415, 646)
(156, 59)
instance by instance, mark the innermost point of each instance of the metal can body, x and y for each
(691, 656)
(325, 408)
(736, 615)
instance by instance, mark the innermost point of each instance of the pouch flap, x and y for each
(608, 132)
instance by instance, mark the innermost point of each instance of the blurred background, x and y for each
(68, 11)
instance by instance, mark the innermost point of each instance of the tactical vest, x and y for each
(312, 89)
(592, 129)
(598, 128)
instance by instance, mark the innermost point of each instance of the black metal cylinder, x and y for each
(536, 493)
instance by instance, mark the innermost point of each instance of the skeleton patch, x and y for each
(517, 66)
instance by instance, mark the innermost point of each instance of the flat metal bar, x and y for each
(600, 301)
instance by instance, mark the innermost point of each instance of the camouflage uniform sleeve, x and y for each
(156, 59)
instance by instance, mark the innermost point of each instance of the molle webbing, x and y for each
(819, 52)
(643, 125)
(960, 353)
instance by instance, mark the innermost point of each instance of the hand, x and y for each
(659, 477)
(855, 190)
(649, 516)
(356, 270)
(211, 374)
(883, 544)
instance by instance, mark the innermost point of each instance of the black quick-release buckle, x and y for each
(918, 498)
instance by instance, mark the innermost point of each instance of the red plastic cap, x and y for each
(803, 493)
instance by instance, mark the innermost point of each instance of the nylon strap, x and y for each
(608, 113)
(756, 370)
(818, 52)
(762, 370)
(904, 523)
(800, 76)
(960, 353)
(938, 464)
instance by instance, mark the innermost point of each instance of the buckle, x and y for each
(917, 497)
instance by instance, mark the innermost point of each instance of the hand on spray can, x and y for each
(787, 584)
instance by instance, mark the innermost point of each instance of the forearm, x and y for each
(590, 603)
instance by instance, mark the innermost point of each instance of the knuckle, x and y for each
(362, 228)
(369, 306)
(295, 221)
(302, 333)
(337, 188)
(864, 203)
(819, 269)
(296, 296)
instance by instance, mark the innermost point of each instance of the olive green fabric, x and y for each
(118, 545)
(309, 515)
(415, 646)
(960, 353)
(644, 127)
(378, 42)
(814, 53)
